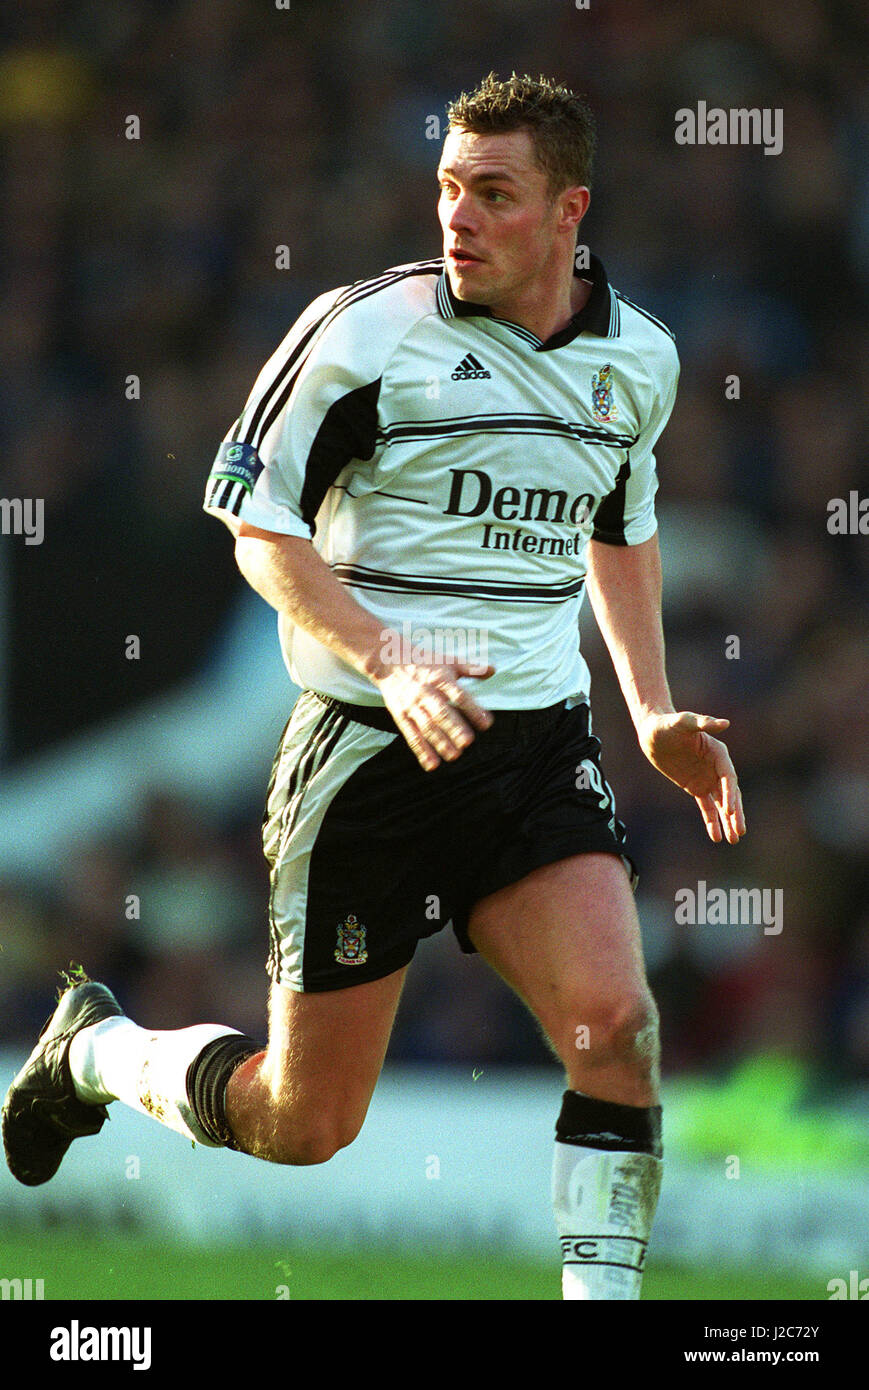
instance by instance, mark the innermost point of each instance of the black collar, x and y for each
(598, 315)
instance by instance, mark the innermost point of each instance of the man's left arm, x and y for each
(624, 584)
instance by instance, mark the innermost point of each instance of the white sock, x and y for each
(604, 1204)
(118, 1060)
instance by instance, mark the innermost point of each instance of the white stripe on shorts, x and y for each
(321, 749)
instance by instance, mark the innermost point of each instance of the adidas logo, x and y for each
(469, 367)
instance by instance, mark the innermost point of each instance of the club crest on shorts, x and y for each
(603, 407)
(351, 949)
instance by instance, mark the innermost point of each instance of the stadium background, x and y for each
(156, 257)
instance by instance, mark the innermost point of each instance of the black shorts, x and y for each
(368, 853)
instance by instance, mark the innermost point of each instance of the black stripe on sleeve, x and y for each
(348, 431)
(275, 398)
(223, 500)
(609, 519)
(253, 433)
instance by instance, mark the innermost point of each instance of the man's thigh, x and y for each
(567, 939)
(307, 1096)
(326, 1049)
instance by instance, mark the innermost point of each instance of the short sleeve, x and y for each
(312, 409)
(627, 515)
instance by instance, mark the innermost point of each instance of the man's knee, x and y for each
(622, 1030)
(301, 1142)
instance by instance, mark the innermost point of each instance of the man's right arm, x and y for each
(434, 713)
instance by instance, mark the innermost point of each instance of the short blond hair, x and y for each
(559, 122)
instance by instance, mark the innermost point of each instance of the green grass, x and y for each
(76, 1268)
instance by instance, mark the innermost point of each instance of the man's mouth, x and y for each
(460, 256)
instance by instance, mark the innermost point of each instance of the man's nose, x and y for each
(461, 216)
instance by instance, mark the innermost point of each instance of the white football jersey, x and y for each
(451, 467)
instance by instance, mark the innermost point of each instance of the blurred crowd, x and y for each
(154, 258)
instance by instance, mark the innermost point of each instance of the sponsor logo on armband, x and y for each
(238, 463)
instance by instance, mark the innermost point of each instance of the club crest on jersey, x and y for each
(603, 407)
(351, 949)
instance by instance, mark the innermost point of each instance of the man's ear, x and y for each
(574, 205)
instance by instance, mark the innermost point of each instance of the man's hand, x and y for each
(434, 713)
(682, 746)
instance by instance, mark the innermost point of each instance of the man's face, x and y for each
(499, 223)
